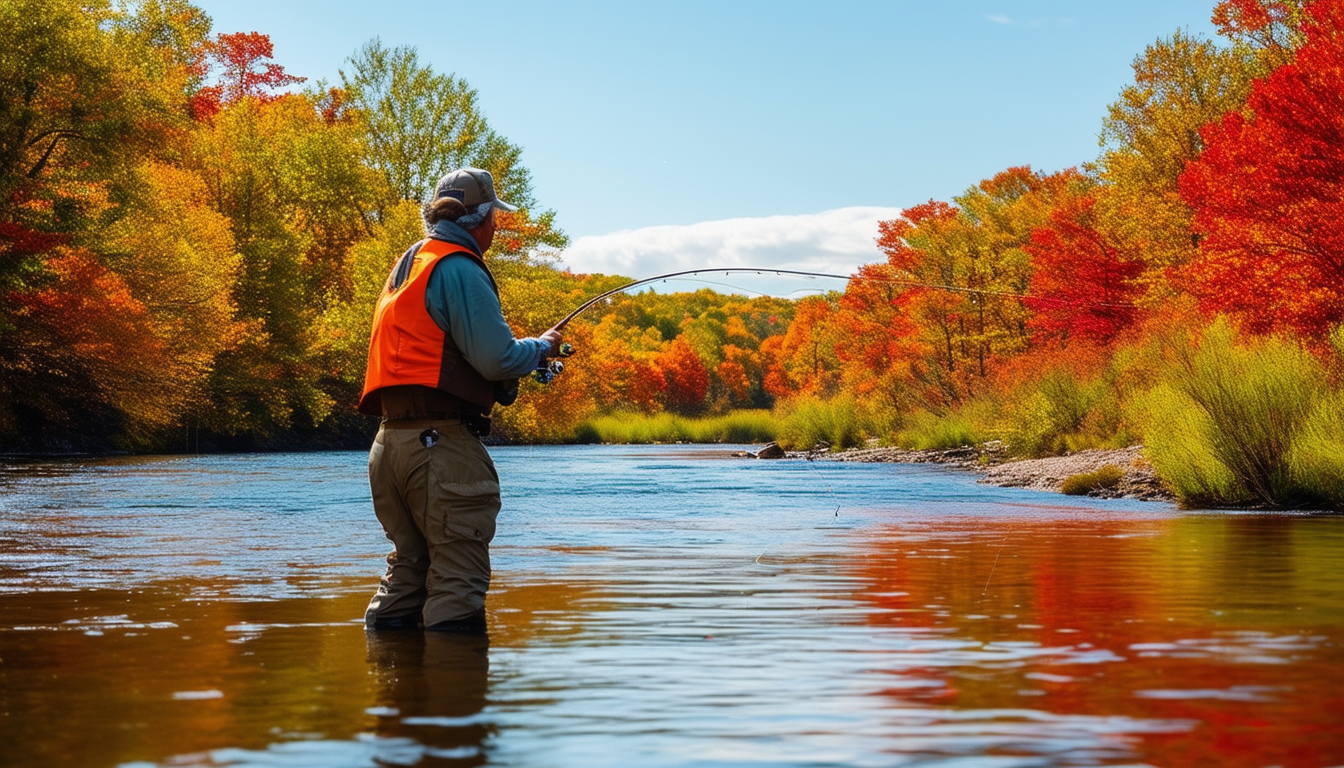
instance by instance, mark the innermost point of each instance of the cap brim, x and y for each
(503, 206)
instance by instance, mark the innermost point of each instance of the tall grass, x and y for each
(1063, 411)
(1052, 404)
(1246, 422)
(927, 431)
(1318, 452)
(747, 426)
(806, 421)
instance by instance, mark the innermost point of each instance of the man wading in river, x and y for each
(440, 357)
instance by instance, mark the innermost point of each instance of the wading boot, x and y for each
(473, 623)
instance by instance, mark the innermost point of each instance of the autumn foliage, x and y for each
(1081, 285)
(191, 246)
(1268, 193)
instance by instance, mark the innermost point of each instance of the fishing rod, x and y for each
(547, 373)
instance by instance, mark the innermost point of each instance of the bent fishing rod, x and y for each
(804, 273)
(547, 372)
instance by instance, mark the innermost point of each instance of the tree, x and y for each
(1271, 28)
(1081, 285)
(877, 345)
(297, 198)
(963, 267)
(805, 360)
(243, 72)
(1180, 84)
(176, 256)
(84, 361)
(88, 95)
(417, 124)
(1268, 193)
(686, 377)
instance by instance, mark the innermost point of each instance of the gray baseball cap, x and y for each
(472, 186)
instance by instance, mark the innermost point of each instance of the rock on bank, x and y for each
(1137, 481)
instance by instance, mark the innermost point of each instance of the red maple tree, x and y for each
(1268, 193)
(1080, 286)
(244, 72)
(686, 377)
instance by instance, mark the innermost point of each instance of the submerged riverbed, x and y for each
(661, 606)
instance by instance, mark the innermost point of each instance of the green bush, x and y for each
(1039, 417)
(750, 426)
(1318, 453)
(927, 431)
(1245, 422)
(806, 421)
(1087, 482)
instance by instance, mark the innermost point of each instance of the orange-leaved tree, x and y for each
(686, 376)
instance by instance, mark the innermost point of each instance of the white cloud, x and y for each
(1000, 19)
(835, 241)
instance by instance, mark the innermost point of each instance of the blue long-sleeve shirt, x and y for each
(462, 301)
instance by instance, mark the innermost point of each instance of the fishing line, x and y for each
(830, 275)
(740, 288)
(830, 489)
(998, 552)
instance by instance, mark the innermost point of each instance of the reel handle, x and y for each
(545, 374)
(549, 369)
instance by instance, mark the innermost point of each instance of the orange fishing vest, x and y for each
(407, 347)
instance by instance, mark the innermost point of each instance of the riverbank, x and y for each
(1137, 480)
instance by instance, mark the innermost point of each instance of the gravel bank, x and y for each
(1046, 474)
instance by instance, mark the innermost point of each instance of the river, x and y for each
(661, 606)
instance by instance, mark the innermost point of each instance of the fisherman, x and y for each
(440, 357)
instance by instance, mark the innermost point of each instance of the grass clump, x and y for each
(806, 421)
(1087, 482)
(1063, 413)
(747, 426)
(1318, 453)
(926, 431)
(1252, 422)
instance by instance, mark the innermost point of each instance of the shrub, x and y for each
(926, 431)
(805, 421)
(1245, 422)
(750, 426)
(1049, 410)
(1087, 482)
(1318, 453)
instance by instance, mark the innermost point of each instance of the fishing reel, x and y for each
(546, 373)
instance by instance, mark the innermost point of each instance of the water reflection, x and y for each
(433, 690)
(667, 610)
(1167, 620)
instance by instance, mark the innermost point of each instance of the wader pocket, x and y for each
(468, 510)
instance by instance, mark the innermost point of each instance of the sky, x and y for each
(674, 135)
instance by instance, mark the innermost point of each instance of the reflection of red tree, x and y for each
(1108, 587)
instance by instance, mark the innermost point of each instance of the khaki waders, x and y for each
(436, 493)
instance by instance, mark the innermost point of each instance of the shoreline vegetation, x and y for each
(193, 239)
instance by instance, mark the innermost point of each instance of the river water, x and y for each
(661, 606)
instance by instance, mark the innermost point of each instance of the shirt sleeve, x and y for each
(462, 302)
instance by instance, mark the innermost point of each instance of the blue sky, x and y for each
(662, 116)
